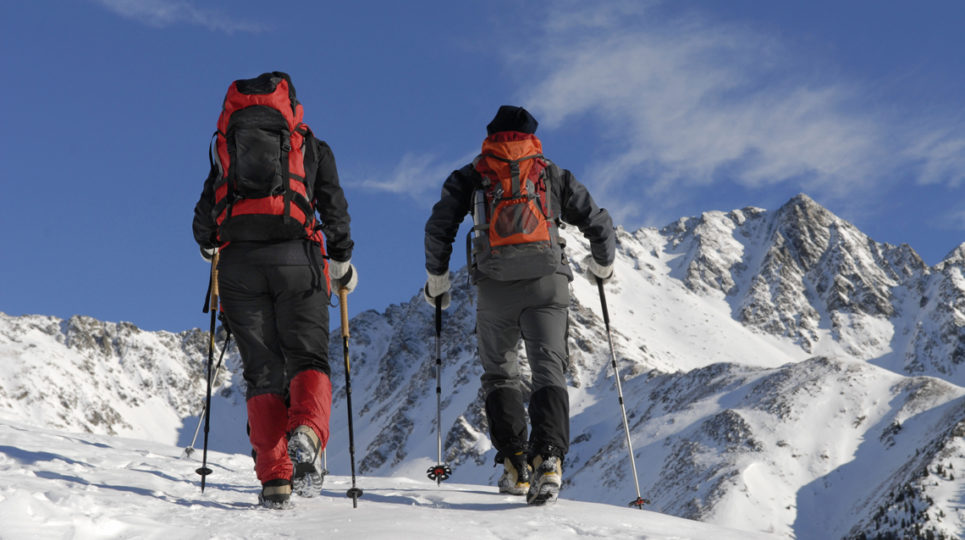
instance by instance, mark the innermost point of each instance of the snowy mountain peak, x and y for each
(782, 372)
(955, 256)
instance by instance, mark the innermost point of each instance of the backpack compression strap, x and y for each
(514, 169)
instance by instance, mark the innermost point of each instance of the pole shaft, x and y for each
(343, 305)
(616, 377)
(204, 406)
(439, 381)
(213, 305)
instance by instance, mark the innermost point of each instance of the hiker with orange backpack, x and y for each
(518, 199)
(269, 178)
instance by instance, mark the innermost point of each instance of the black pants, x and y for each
(279, 316)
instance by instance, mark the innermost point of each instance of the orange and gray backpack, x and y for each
(515, 234)
(262, 192)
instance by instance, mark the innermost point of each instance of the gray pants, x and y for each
(536, 311)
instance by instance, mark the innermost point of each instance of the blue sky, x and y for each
(663, 109)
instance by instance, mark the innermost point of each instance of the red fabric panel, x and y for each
(273, 206)
(296, 157)
(221, 192)
(311, 402)
(298, 187)
(268, 419)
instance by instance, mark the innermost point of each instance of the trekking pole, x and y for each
(354, 492)
(639, 501)
(440, 471)
(203, 470)
(204, 408)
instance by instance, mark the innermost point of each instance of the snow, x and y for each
(782, 373)
(57, 484)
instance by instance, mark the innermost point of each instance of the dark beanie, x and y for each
(510, 118)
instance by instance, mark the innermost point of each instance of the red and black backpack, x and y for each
(263, 191)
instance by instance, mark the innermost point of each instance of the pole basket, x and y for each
(204, 472)
(354, 493)
(639, 502)
(439, 473)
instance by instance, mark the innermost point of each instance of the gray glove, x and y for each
(600, 271)
(343, 275)
(438, 287)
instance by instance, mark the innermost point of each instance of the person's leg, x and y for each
(497, 334)
(250, 314)
(302, 323)
(544, 327)
(301, 310)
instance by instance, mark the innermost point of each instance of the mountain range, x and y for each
(782, 373)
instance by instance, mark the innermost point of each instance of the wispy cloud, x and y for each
(692, 102)
(164, 13)
(415, 175)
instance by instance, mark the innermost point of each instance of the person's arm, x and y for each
(447, 215)
(579, 209)
(332, 207)
(204, 226)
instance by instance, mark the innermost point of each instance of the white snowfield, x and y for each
(55, 484)
(782, 372)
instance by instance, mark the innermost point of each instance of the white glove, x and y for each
(438, 286)
(600, 271)
(208, 253)
(343, 275)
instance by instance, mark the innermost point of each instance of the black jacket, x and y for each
(329, 202)
(570, 199)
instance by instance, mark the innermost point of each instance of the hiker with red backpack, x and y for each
(518, 200)
(277, 264)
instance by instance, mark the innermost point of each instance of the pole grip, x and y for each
(214, 281)
(343, 308)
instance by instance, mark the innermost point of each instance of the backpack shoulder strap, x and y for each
(215, 165)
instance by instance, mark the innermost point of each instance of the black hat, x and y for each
(510, 118)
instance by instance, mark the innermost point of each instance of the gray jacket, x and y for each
(570, 201)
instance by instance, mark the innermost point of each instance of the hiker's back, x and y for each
(515, 231)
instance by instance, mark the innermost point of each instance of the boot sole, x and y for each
(307, 477)
(275, 505)
(546, 490)
(307, 480)
(546, 494)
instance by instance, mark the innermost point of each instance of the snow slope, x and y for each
(56, 484)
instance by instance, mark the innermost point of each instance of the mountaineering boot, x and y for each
(516, 475)
(547, 479)
(304, 449)
(276, 494)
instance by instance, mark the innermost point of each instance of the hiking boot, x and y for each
(516, 475)
(276, 494)
(304, 449)
(547, 479)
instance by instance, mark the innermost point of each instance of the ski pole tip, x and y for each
(639, 502)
